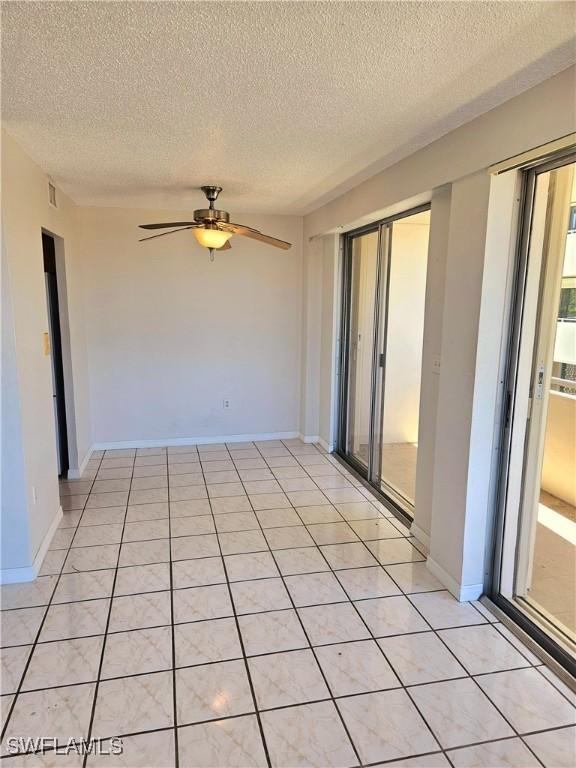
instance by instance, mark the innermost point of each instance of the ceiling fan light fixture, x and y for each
(212, 228)
(211, 238)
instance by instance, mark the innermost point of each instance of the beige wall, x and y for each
(172, 334)
(558, 470)
(329, 342)
(457, 408)
(311, 340)
(25, 212)
(431, 356)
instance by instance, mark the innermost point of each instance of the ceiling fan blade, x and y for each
(164, 233)
(170, 224)
(254, 234)
(226, 247)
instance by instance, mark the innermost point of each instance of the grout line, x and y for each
(172, 631)
(102, 652)
(299, 618)
(332, 571)
(40, 628)
(241, 641)
(366, 765)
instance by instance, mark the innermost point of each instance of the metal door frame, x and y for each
(384, 227)
(527, 618)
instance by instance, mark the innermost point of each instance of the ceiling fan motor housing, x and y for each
(211, 214)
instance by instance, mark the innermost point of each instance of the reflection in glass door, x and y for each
(401, 356)
(537, 568)
(383, 323)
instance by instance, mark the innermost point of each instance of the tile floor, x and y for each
(398, 468)
(553, 585)
(251, 605)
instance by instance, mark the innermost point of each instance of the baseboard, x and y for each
(317, 439)
(420, 535)
(30, 572)
(462, 592)
(76, 474)
(328, 447)
(250, 438)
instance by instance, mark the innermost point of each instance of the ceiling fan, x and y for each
(212, 228)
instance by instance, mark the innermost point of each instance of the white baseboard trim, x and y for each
(462, 592)
(316, 439)
(160, 442)
(76, 474)
(329, 447)
(30, 572)
(420, 535)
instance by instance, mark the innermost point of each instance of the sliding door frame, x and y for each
(377, 395)
(345, 347)
(530, 620)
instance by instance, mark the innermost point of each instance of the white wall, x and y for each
(329, 346)
(453, 171)
(171, 334)
(311, 340)
(450, 524)
(431, 355)
(25, 212)
(15, 534)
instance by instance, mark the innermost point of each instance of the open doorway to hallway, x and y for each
(54, 348)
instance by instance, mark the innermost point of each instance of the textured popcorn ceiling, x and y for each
(284, 104)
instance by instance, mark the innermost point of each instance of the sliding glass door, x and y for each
(363, 269)
(383, 321)
(536, 552)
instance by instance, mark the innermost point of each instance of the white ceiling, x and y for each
(284, 104)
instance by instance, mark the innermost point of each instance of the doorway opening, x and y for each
(55, 338)
(383, 300)
(535, 564)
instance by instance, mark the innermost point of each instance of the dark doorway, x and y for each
(49, 249)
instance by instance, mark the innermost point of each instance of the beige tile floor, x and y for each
(553, 587)
(398, 468)
(252, 605)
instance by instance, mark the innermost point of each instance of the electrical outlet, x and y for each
(226, 404)
(436, 365)
(34, 495)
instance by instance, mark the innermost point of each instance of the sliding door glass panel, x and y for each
(363, 276)
(546, 563)
(402, 334)
(538, 569)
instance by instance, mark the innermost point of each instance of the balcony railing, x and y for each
(564, 386)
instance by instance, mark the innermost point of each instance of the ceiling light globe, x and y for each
(211, 238)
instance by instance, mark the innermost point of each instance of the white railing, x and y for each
(564, 386)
